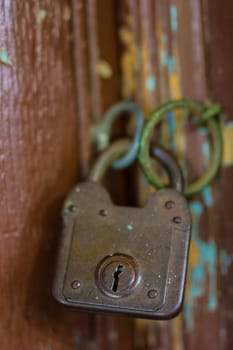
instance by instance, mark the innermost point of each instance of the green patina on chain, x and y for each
(205, 117)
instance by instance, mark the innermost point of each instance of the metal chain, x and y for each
(206, 117)
(119, 147)
(123, 153)
(101, 133)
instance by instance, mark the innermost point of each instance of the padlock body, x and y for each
(121, 259)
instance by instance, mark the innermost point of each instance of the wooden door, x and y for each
(62, 64)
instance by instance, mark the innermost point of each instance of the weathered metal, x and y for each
(207, 119)
(122, 146)
(123, 259)
(101, 132)
(150, 244)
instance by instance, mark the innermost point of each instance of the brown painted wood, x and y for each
(68, 62)
(39, 159)
(218, 18)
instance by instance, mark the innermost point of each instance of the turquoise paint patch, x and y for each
(43, 14)
(208, 196)
(171, 65)
(130, 227)
(168, 61)
(173, 16)
(4, 58)
(207, 263)
(203, 131)
(164, 58)
(151, 83)
(225, 261)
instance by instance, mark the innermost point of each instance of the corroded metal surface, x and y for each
(150, 243)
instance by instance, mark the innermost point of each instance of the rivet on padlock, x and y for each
(121, 259)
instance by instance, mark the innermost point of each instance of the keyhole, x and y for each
(116, 278)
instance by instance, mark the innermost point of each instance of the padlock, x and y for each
(123, 259)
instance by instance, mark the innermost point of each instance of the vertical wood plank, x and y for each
(96, 67)
(183, 53)
(39, 159)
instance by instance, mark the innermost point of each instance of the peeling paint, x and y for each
(67, 13)
(225, 261)
(171, 65)
(173, 18)
(4, 58)
(151, 83)
(208, 196)
(42, 14)
(173, 129)
(202, 278)
(147, 73)
(227, 132)
(177, 333)
(129, 60)
(174, 76)
(103, 69)
(205, 151)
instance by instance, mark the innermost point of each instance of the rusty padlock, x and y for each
(121, 259)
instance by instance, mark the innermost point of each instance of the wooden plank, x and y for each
(218, 17)
(39, 164)
(185, 63)
(97, 88)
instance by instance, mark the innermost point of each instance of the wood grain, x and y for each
(39, 159)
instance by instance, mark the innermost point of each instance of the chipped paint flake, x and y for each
(151, 83)
(227, 131)
(208, 196)
(206, 151)
(225, 261)
(177, 333)
(130, 227)
(103, 69)
(202, 278)
(129, 60)
(67, 13)
(4, 58)
(173, 17)
(42, 14)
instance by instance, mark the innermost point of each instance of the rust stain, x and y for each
(130, 59)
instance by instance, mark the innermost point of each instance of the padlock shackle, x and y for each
(175, 174)
(120, 147)
(107, 157)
